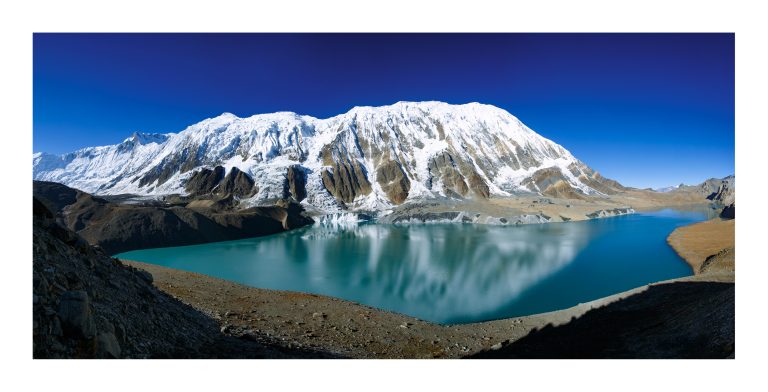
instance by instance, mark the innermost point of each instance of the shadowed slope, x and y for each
(88, 305)
(671, 320)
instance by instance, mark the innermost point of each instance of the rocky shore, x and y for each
(655, 321)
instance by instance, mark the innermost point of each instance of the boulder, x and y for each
(107, 346)
(76, 314)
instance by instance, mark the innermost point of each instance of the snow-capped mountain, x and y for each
(369, 158)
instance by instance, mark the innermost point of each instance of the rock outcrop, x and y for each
(214, 182)
(393, 181)
(456, 177)
(443, 169)
(563, 190)
(204, 181)
(346, 178)
(544, 178)
(296, 183)
(238, 184)
(725, 193)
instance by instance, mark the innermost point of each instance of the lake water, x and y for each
(450, 273)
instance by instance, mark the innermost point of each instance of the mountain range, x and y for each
(368, 159)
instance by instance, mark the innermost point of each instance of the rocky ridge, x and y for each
(118, 227)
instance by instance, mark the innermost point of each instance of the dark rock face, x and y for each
(237, 183)
(457, 177)
(295, 183)
(213, 182)
(445, 168)
(346, 180)
(183, 161)
(121, 227)
(393, 181)
(204, 181)
(729, 212)
(88, 305)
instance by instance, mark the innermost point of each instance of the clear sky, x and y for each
(648, 110)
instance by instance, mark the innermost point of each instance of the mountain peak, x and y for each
(144, 138)
(226, 115)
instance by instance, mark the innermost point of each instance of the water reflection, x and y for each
(437, 272)
(449, 272)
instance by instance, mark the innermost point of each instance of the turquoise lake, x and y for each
(450, 273)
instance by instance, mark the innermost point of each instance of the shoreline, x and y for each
(348, 329)
(683, 207)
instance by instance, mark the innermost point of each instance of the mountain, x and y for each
(368, 159)
(720, 190)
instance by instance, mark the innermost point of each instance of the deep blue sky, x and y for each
(645, 109)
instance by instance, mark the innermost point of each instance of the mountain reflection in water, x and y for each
(434, 270)
(449, 273)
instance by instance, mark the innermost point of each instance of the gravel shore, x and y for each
(350, 330)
